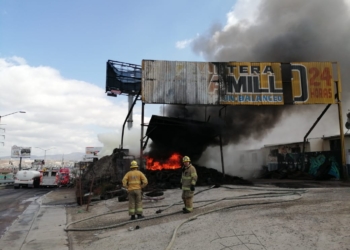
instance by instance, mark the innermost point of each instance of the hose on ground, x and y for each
(180, 202)
(211, 201)
(266, 195)
(215, 210)
(148, 218)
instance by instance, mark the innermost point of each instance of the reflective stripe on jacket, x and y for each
(189, 177)
(134, 180)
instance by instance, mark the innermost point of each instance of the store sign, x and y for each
(20, 152)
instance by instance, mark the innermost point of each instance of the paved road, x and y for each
(14, 201)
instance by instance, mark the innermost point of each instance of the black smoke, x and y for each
(232, 124)
(283, 31)
(235, 122)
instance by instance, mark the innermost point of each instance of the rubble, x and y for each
(103, 179)
(169, 179)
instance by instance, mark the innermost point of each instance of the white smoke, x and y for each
(283, 31)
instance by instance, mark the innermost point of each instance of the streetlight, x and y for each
(4, 131)
(11, 114)
(45, 152)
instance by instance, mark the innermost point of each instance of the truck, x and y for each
(27, 178)
(63, 177)
(49, 176)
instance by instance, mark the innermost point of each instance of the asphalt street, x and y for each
(14, 202)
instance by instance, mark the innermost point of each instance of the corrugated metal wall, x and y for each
(173, 82)
(238, 83)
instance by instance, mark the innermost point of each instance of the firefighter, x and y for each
(134, 181)
(188, 182)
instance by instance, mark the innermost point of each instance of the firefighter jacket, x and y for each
(189, 177)
(134, 180)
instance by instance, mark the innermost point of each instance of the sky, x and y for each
(53, 58)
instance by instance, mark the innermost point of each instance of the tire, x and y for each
(36, 183)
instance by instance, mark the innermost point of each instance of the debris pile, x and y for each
(169, 179)
(103, 178)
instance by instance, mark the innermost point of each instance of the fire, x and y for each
(174, 162)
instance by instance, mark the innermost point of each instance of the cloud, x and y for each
(63, 113)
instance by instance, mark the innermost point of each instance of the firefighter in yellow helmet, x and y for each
(134, 181)
(188, 182)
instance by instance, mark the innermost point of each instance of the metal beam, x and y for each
(310, 130)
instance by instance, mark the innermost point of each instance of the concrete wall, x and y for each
(316, 145)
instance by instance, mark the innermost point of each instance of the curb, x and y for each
(4, 185)
(7, 183)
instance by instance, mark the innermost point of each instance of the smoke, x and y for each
(277, 31)
(112, 141)
(241, 122)
(280, 31)
(284, 31)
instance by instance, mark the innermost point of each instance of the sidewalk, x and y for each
(41, 226)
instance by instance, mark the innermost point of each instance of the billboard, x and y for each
(92, 152)
(122, 78)
(38, 162)
(20, 152)
(239, 83)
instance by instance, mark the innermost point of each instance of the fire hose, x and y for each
(266, 195)
(271, 193)
(180, 202)
(229, 207)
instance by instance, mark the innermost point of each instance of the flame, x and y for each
(174, 162)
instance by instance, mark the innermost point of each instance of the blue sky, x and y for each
(54, 53)
(78, 37)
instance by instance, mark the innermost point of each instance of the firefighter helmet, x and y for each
(133, 164)
(186, 158)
